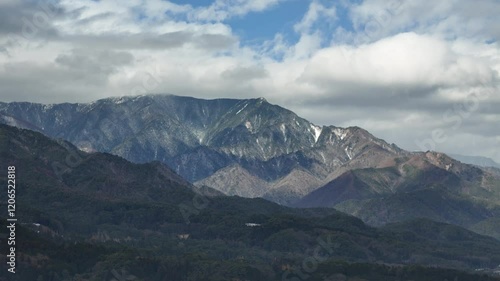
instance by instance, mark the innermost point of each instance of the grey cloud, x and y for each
(480, 127)
(381, 110)
(245, 73)
(472, 19)
(169, 40)
(80, 75)
(22, 21)
(214, 41)
(94, 63)
(94, 18)
(374, 96)
(26, 19)
(485, 10)
(27, 82)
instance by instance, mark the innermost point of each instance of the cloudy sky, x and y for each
(421, 74)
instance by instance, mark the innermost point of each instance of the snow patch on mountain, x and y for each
(340, 133)
(283, 130)
(9, 121)
(348, 153)
(249, 126)
(245, 106)
(47, 107)
(200, 135)
(316, 130)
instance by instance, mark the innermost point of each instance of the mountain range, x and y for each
(208, 141)
(97, 216)
(252, 148)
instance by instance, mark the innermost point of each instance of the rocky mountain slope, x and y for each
(430, 185)
(204, 140)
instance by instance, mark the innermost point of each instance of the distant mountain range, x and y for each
(252, 148)
(476, 160)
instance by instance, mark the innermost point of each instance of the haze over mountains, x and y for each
(476, 160)
(252, 148)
